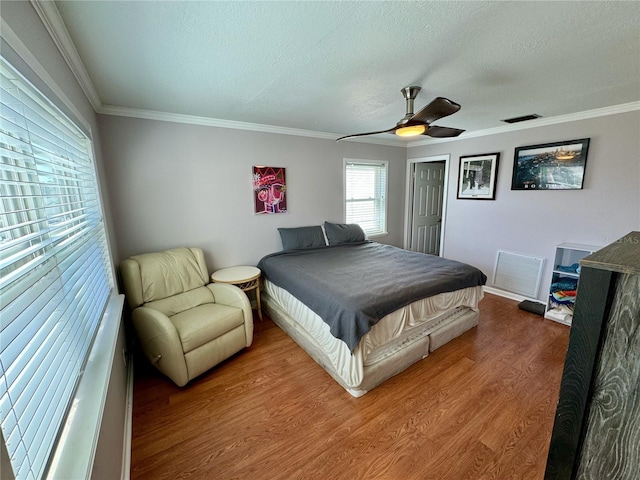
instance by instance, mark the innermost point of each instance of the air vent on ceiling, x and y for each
(524, 118)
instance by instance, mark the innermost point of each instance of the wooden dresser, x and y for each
(596, 434)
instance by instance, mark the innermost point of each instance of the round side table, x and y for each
(246, 278)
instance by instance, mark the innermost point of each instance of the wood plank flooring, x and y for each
(480, 407)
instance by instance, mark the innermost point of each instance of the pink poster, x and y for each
(269, 188)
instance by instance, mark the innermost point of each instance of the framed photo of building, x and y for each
(477, 176)
(550, 166)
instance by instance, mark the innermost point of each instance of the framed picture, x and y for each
(269, 190)
(552, 166)
(477, 176)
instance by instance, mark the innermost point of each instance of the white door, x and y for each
(428, 196)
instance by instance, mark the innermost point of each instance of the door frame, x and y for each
(409, 187)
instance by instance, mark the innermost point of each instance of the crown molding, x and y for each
(538, 122)
(220, 123)
(52, 20)
(256, 127)
(14, 42)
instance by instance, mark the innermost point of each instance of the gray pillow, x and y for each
(302, 237)
(343, 233)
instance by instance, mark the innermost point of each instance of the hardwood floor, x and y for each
(480, 407)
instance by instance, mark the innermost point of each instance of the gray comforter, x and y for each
(352, 286)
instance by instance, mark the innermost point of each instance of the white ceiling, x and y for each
(338, 67)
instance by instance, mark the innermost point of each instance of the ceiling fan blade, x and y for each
(440, 107)
(442, 132)
(368, 133)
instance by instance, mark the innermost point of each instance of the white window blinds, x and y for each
(366, 195)
(55, 269)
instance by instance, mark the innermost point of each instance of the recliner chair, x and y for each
(185, 324)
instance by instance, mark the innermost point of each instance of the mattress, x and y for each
(395, 342)
(352, 286)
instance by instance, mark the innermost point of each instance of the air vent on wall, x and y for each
(518, 273)
(524, 118)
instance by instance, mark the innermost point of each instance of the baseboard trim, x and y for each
(505, 294)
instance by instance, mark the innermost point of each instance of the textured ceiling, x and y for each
(338, 67)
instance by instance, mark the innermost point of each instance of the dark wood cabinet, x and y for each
(596, 434)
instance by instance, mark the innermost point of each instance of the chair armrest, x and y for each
(159, 337)
(231, 295)
(132, 283)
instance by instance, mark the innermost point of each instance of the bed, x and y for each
(365, 311)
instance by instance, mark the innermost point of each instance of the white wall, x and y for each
(534, 222)
(175, 184)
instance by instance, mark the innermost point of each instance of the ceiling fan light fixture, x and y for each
(421, 123)
(411, 131)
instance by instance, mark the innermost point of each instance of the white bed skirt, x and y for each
(393, 344)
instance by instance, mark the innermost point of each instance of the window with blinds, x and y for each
(366, 195)
(55, 269)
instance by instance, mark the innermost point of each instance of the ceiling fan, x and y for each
(413, 124)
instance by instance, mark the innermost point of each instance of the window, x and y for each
(366, 195)
(55, 269)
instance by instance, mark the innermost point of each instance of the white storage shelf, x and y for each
(565, 270)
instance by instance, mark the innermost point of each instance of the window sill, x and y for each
(378, 235)
(74, 453)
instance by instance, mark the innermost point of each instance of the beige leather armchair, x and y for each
(185, 325)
